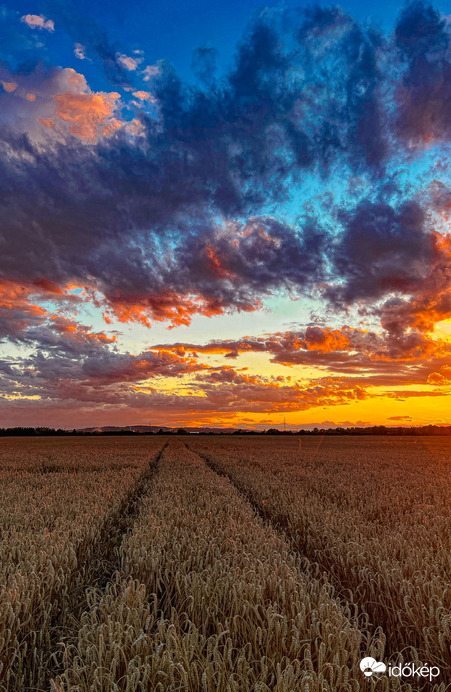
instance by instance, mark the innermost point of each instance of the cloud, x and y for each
(144, 95)
(85, 370)
(149, 72)
(165, 212)
(430, 299)
(80, 51)
(36, 21)
(89, 116)
(424, 95)
(442, 377)
(325, 340)
(203, 64)
(17, 312)
(174, 201)
(130, 64)
(370, 358)
(382, 250)
(356, 81)
(77, 367)
(59, 102)
(177, 200)
(314, 344)
(9, 86)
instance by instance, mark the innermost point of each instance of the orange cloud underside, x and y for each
(18, 304)
(390, 383)
(168, 307)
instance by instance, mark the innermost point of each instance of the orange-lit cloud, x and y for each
(9, 86)
(78, 331)
(430, 300)
(144, 96)
(17, 312)
(374, 359)
(325, 340)
(442, 377)
(61, 101)
(88, 116)
(38, 21)
(20, 307)
(167, 306)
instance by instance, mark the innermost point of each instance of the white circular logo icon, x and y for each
(369, 665)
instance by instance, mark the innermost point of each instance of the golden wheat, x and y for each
(51, 526)
(372, 513)
(241, 565)
(211, 599)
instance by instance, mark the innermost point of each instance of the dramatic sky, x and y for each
(224, 213)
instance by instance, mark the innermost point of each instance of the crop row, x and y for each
(376, 521)
(210, 598)
(57, 532)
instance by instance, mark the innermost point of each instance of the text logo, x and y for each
(411, 670)
(369, 665)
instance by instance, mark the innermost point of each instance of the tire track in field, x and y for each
(280, 525)
(100, 560)
(117, 526)
(340, 582)
(241, 490)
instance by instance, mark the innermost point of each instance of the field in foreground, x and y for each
(207, 564)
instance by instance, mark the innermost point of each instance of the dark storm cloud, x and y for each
(245, 260)
(135, 217)
(381, 250)
(424, 96)
(347, 57)
(203, 64)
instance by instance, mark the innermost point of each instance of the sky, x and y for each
(229, 214)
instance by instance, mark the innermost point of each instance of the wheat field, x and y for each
(223, 563)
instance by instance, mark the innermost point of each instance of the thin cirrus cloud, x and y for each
(196, 199)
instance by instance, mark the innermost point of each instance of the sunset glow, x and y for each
(247, 226)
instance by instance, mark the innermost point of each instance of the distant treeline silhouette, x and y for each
(370, 430)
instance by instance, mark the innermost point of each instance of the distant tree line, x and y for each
(371, 430)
